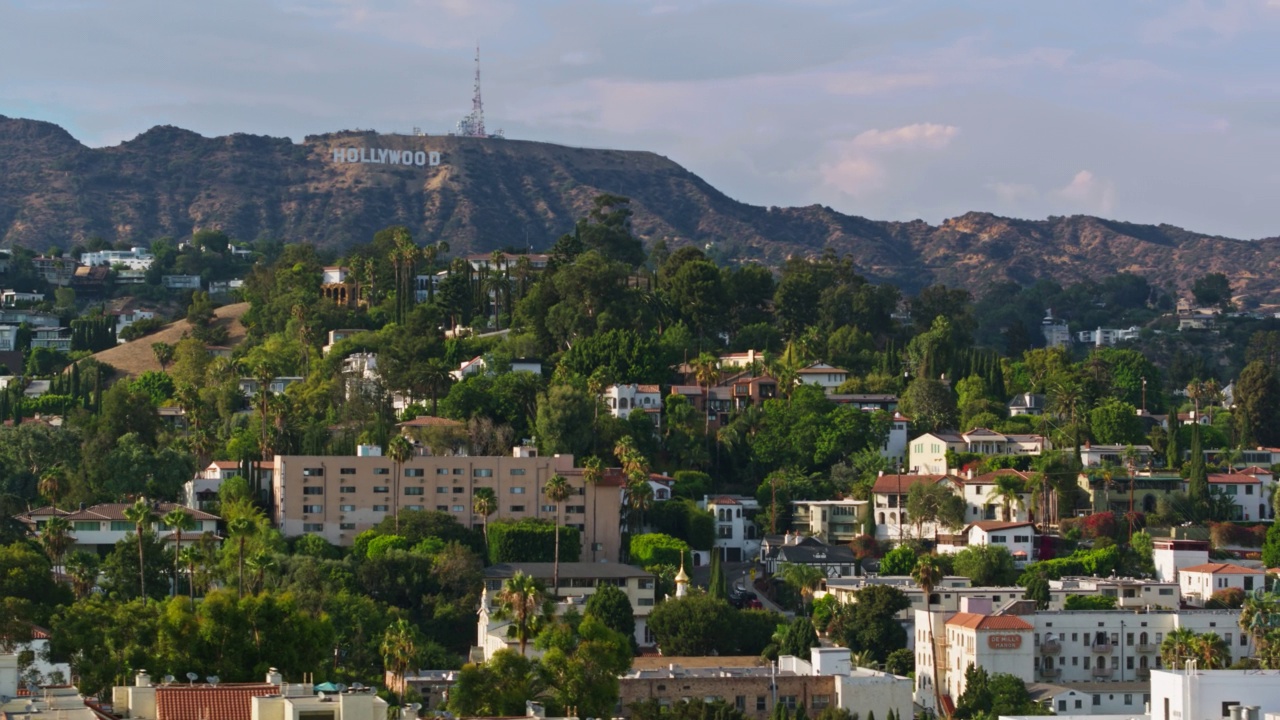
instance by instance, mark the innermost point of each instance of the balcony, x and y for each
(1050, 672)
(1102, 648)
(1148, 648)
(1051, 646)
(1144, 673)
(1102, 672)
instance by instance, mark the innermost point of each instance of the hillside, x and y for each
(491, 193)
(132, 359)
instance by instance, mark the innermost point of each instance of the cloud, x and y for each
(1013, 193)
(857, 167)
(1089, 192)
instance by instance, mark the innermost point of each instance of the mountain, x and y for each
(490, 193)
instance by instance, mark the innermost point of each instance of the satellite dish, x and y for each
(168, 679)
(191, 677)
(213, 679)
(357, 686)
(341, 687)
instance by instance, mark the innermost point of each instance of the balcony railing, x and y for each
(1102, 648)
(1050, 672)
(1051, 646)
(1102, 672)
(1148, 648)
(1144, 673)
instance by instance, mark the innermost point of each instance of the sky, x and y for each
(1160, 111)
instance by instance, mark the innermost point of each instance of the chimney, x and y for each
(142, 679)
(969, 473)
(274, 677)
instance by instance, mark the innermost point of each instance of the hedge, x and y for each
(657, 549)
(532, 540)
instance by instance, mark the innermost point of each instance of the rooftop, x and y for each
(1222, 569)
(976, 621)
(567, 570)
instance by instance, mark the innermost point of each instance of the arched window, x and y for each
(893, 517)
(881, 518)
(1142, 661)
(1142, 638)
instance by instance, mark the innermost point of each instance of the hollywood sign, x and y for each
(383, 156)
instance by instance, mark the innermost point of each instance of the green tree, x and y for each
(1271, 547)
(179, 519)
(400, 451)
(804, 579)
(56, 539)
(718, 586)
(898, 561)
(485, 503)
(799, 637)
(1115, 422)
(524, 601)
(1213, 289)
(241, 529)
(930, 404)
(1257, 405)
(564, 420)
(140, 515)
(557, 490)
(936, 504)
(612, 607)
(401, 648)
(692, 625)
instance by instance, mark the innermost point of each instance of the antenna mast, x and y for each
(477, 105)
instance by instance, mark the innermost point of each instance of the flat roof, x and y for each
(567, 570)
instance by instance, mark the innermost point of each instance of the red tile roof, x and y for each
(1221, 569)
(224, 702)
(1255, 470)
(988, 622)
(888, 484)
(990, 478)
(115, 511)
(1234, 479)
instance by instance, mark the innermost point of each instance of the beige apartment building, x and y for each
(338, 497)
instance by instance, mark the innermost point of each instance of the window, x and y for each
(347, 508)
(1097, 699)
(821, 701)
(457, 508)
(517, 491)
(413, 491)
(740, 703)
(1128, 698)
(1062, 706)
(482, 472)
(380, 508)
(1226, 707)
(442, 490)
(517, 471)
(759, 703)
(517, 508)
(725, 532)
(313, 527)
(347, 471)
(381, 471)
(117, 526)
(1227, 638)
(90, 526)
(458, 490)
(381, 489)
(1244, 639)
(442, 508)
(787, 701)
(646, 602)
(547, 508)
(347, 489)
(1086, 662)
(1022, 538)
(312, 509)
(442, 471)
(412, 507)
(1165, 591)
(313, 472)
(414, 472)
(579, 509)
(998, 539)
(346, 526)
(1079, 704)
(646, 583)
(313, 490)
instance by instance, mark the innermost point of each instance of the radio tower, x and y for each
(473, 124)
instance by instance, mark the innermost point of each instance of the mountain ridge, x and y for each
(491, 193)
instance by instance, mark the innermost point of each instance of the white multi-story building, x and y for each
(1019, 538)
(128, 317)
(832, 521)
(737, 538)
(1192, 694)
(889, 504)
(623, 399)
(1171, 556)
(895, 445)
(1094, 455)
(1056, 333)
(13, 298)
(929, 451)
(981, 502)
(1128, 592)
(1103, 337)
(1250, 492)
(137, 258)
(1198, 583)
(828, 377)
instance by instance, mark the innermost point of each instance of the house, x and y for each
(737, 539)
(1112, 494)
(1247, 491)
(14, 298)
(622, 399)
(201, 491)
(889, 504)
(180, 282)
(1095, 455)
(8, 338)
(249, 386)
(823, 375)
(835, 561)
(929, 451)
(771, 546)
(895, 444)
(1171, 556)
(63, 702)
(1055, 332)
(1191, 692)
(53, 338)
(578, 582)
(827, 679)
(336, 336)
(33, 665)
(129, 316)
(1106, 337)
(1128, 592)
(832, 521)
(478, 364)
(1019, 538)
(100, 527)
(742, 360)
(866, 401)
(54, 270)
(136, 258)
(1198, 583)
(212, 698)
(981, 502)
(1026, 404)
(508, 261)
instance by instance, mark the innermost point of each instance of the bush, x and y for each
(1098, 525)
(1225, 534)
(1227, 599)
(683, 520)
(1089, 602)
(898, 561)
(658, 549)
(532, 540)
(1100, 562)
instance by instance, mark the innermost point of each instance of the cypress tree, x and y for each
(1197, 476)
(719, 585)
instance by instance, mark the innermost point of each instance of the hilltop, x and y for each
(490, 193)
(133, 358)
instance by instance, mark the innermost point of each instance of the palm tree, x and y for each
(82, 568)
(522, 600)
(804, 579)
(927, 574)
(484, 503)
(1177, 647)
(1131, 461)
(178, 519)
(639, 499)
(401, 647)
(260, 562)
(1211, 651)
(139, 513)
(557, 491)
(241, 528)
(1007, 492)
(53, 485)
(400, 451)
(706, 369)
(592, 474)
(56, 538)
(189, 556)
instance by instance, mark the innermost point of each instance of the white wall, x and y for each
(1177, 696)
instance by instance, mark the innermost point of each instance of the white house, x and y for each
(889, 504)
(1250, 492)
(1026, 404)
(1104, 337)
(823, 375)
(622, 399)
(100, 527)
(1094, 455)
(1171, 556)
(737, 538)
(478, 364)
(180, 282)
(834, 521)
(981, 503)
(929, 451)
(895, 445)
(1193, 694)
(128, 317)
(1198, 583)
(137, 258)
(12, 298)
(1019, 538)
(201, 491)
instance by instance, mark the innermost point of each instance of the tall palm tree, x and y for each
(56, 538)
(1007, 493)
(557, 491)
(927, 574)
(1177, 647)
(523, 600)
(189, 556)
(400, 451)
(260, 562)
(178, 519)
(1211, 651)
(82, 568)
(484, 503)
(639, 499)
(706, 369)
(401, 647)
(242, 528)
(53, 485)
(139, 513)
(804, 579)
(592, 474)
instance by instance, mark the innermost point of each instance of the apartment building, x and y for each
(338, 497)
(578, 582)
(98, 528)
(1128, 592)
(1210, 694)
(929, 451)
(1198, 583)
(832, 521)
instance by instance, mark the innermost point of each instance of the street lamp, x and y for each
(1144, 394)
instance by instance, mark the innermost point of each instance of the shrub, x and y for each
(658, 549)
(1228, 599)
(1098, 525)
(1225, 534)
(1089, 602)
(532, 540)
